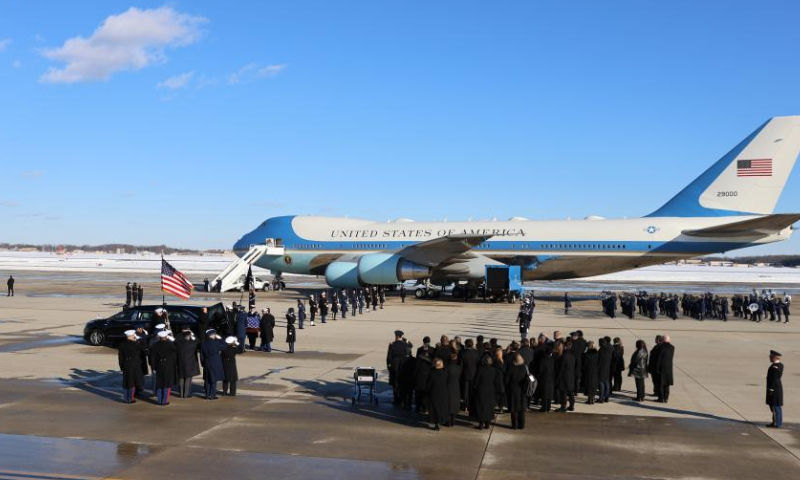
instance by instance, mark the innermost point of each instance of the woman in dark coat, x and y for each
(188, 365)
(484, 392)
(229, 366)
(517, 388)
(453, 388)
(566, 380)
(291, 333)
(438, 395)
(547, 378)
(589, 379)
(638, 368)
(164, 358)
(499, 380)
(211, 360)
(618, 365)
(421, 374)
(130, 363)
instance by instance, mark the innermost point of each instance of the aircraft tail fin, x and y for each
(748, 180)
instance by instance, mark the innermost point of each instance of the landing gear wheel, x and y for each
(431, 293)
(457, 292)
(419, 293)
(97, 338)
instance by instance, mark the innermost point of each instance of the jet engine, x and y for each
(374, 269)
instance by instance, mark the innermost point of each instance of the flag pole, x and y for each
(163, 297)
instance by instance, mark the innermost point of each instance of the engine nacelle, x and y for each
(342, 275)
(389, 269)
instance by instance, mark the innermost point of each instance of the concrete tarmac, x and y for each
(61, 414)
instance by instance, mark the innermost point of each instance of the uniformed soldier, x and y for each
(164, 358)
(312, 308)
(395, 359)
(211, 358)
(301, 314)
(231, 372)
(134, 293)
(10, 284)
(291, 334)
(567, 303)
(402, 293)
(140, 294)
(130, 363)
(127, 295)
(775, 389)
(343, 302)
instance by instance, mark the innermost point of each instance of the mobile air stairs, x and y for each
(231, 278)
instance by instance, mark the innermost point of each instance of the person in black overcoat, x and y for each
(566, 380)
(267, 330)
(470, 359)
(188, 364)
(130, 363)
(499, 380)
(664, 368)
(396, 355)
(127, 295)
(578, 349)
(407, 382)
(164, 358)
(517, 389)
(651, 366)
(438, 395)
(589, 379)
(454, 371)
(229, 368)
(618, 365)
(484, 392)
(421, 374)
(567, 303)
(546, 374)
(605, 357)
(211, 360)
(775, 389)
(291, 333)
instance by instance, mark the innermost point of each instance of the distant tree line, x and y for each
(783, 260)
(107, 247)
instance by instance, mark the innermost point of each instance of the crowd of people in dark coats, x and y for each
(753, 306)
(477, 380)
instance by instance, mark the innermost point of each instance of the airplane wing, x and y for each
(433, 252)
(757, 227)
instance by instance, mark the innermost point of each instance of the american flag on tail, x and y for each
(761, 167)
(174, 282)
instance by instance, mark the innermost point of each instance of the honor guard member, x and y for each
(343, 302)
(267, 330)
(251, 299)
(291, 334)
(130, 363)
(395, 359)
(301, 314)
(211, 359)
(382, 296)
(231, 373)
(127, 295)
(134, 293)
(312, 308)
(10, 284)
(354, 302)
(775, 389)
(164, 358)
(323, 307)
(241, 328)
(140, 294)
(402, 293)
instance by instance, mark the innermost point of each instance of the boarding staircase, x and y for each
(229, 278)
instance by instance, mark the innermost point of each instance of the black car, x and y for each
(111, 330)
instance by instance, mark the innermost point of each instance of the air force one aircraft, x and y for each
(729, 206)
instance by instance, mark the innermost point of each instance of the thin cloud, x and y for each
(270, 70)
(16, 64)
(241, 74)
(10, 203)
(129, 41)
(34, 174)
(4, 43)
(177, 82)
(204, 82)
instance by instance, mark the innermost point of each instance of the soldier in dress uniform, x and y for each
(130, 363)
(134, 293)
(291, 334)
(229, 369)
(343, 303)
(395, 359)
(402, 293)
(211, 358)
(312, 308)
(127, 295)
(140, 294)
(301, 313)
(775, 389)
(164, 358)
(567, 303)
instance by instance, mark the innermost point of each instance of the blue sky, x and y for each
(188, 123)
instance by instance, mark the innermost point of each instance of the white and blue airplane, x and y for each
(730, 206)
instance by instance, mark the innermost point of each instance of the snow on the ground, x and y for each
(212, 264)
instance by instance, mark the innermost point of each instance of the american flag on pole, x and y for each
(174, 282)
(761, 167)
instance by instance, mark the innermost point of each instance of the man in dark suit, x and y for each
(470, 360)
(666, 352)
(578, 349)
(395, 359)
(775, 389)
(651, 365)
